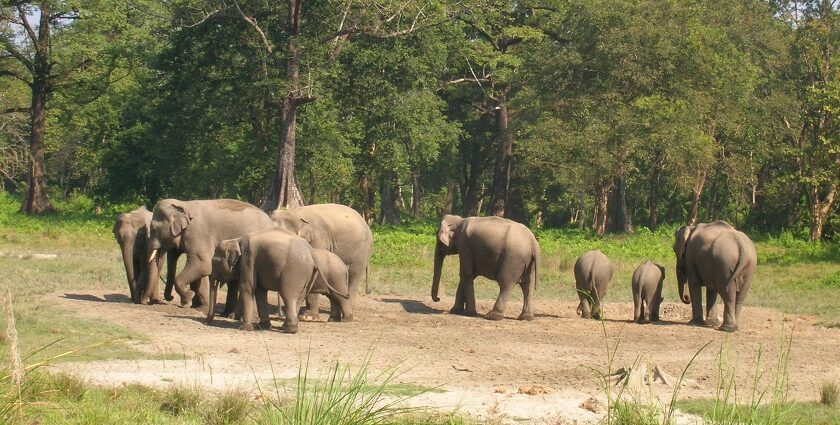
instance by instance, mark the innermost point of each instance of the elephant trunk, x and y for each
(439, 256)
(681, 282)
(128, 261)
(150, 291)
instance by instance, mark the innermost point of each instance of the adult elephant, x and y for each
(493, 247)
(195, 228)
(722, 259)
(335, 228)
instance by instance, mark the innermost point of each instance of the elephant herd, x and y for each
(325, 249)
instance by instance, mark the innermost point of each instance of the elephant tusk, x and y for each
(153, 255)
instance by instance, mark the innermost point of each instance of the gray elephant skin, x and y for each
(593, 271)
(647, 283)
(492, 247)
(195, 228)
(335, 228)
(275, 260)
(131, 231)
(722, 259)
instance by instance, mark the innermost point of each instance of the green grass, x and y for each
(801, 413)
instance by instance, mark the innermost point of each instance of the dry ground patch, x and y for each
(481, 364)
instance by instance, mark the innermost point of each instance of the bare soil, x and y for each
(543, 371)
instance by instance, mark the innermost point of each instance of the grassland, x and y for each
(794, 276)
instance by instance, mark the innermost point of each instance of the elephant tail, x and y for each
(743, 261)
(367, 286)
(534, 266)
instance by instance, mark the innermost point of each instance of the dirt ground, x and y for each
(483, 366)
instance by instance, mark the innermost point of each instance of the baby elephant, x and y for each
(332, 280)
(647, 292)
(593, 271)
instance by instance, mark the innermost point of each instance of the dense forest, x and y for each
(609, 114)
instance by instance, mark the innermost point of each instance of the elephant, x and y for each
(131, 231)
(195, 228)
(647, 284)
(593, 271)
(722, 259)
(493, 247)
(335, 228)
(276, 260)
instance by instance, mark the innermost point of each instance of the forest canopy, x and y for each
(609, 114)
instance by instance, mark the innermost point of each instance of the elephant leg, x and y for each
(498, 311)
(261, 297)
(290, 300)
(171, 269)
(644, 314)
(191, 273)
(231, 309)
(469, 297)
(696, 292)
(584, 309)
(211, 310)
(458, 308)
(596, 305)
(335, 310)
(526, 314)
(730, 301)
(637, 307)
(356, 275)
(313, 308)
(201, 289)
(711, 300)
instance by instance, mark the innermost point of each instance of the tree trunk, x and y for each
(334, 198)
(819, 209)
(501, 173)
(653, 197)
(284, 191)
(36, 200)
(388, 213)
(450, 198)
(415, 194)
(601, 204)
(367, 199)
(697, 190)
(619, 220)
(470, 192)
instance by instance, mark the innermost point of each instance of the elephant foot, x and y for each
(457, 310)
(154, 301)
(209, 321)
(698, 322)
(265, 325)
(495, 315)
(289, 329)
(246, 326)
(529, 316)
(168, 297)
(712, 322)
(728, 328)
(309, 316)
(186, 300)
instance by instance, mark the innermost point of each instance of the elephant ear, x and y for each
(445, 233)
(681, 238)
(180, 219)
(661, 269)
(232, 253)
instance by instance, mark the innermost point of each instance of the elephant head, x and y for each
(681, 238)
(226, 261)
(171, 217)
(293, 223)
(447, 244)
(131, 232)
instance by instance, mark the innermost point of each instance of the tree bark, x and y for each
(501, 173)
(36, 200)
(450, 198)
(415, 194)
(602, 195)
(619, 220)
(470, 191)
(697, 190)
(653, 198)
(367, 199)
(284, 191)
(819, 208)
(389, 213)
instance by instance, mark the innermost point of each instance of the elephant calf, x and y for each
(593, 271)
(333, 280)
(647, 284)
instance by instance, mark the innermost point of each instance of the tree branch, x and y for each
(15, 53)
(253, 23)
(15, 111)
(27, 26)
(204, 19)
(15, 75)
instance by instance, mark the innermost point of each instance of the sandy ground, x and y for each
(483, 366)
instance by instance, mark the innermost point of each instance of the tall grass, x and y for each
(341, 397)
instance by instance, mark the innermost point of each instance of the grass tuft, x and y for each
(829, 393)
(179, 400)
(231, 407)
